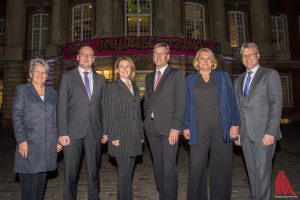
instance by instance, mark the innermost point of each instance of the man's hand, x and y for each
(116, 142)
(173, 137)
(104, 139)
(238, 141)
(268, 140)
(64, 140)
(234, 131)
(23, 149)
(186, 134)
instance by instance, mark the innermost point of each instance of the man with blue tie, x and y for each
(163, 111)
(79, 119)
(259, 95)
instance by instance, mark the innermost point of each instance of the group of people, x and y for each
(205, 106)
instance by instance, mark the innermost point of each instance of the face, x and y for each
(160, 57)
(124, 69)
(86, 57)
(205, 62)
(250, 58)
(38, 75)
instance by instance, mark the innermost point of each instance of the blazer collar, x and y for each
(165, 74)
(36, 95)
(79, 80)
(123, 85)
(256, 78)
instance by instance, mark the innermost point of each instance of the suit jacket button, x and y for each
(245, 106)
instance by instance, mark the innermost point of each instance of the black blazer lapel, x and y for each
(241, 84)
(151, 82)
(35, 94)
(95, 83)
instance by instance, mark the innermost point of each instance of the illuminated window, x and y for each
(138, 20)
(278, 29)
(195, 20)
(2, 32)
(82, 22)
(39, 32)
(107, 73)
(236, 28)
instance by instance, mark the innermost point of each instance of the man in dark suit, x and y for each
(79, 121)
(164, 109)
(260, 100)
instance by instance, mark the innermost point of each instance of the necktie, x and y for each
(87, 84)
(247, 84)
(157, 79)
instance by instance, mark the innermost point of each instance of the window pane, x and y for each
(195, 20)
(236, 28)
(278, 33)
(82, 22)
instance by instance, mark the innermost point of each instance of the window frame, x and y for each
(279, 46)
(194, 20)
(138, 15)
(81, 22)
(40, 29)
(238, 42)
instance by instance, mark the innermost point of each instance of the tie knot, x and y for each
(85, 73)
(158, 72)
(249, 73)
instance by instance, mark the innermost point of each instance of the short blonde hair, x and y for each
(131, 65)
(211, 55)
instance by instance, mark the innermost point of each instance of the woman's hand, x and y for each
(186, 134)
(59, 147)
(23, 149)
(116, 142)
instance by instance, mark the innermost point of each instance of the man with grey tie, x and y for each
(79, 120)
(259, 95)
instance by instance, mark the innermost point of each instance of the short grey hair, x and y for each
(249, 45)
(38, 61)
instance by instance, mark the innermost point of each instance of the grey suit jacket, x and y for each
(167, 102)
(261, 109)
(123, 120)
(76, 114)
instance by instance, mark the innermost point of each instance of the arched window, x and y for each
(138, 19)
(195, 20)
(278, 29)
(39, 34)
(236, 28)
(82, 22)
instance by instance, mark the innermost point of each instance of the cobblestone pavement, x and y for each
(287, 159)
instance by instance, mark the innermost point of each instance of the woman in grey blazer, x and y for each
(34, 122)
(123, 123)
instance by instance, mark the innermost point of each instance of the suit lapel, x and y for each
(165, 74)
(35, 93)
(151, 82)
(256, 78)
(95, 83)
(241, 84)
(79, 81)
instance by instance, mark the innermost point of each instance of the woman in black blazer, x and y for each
(123, 123)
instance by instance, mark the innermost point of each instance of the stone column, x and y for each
(56, 28)
(218, 24)
(14, 52)
(104, 23)
(261, 26)
(173, 25)
(117, 18)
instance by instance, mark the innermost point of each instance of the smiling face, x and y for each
(205, 61)
(250, 58)
(86, 57)
(124, 69)
(161, 57)
(38, 75)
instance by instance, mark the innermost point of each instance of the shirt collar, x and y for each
(162, 70)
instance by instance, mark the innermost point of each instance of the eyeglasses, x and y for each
(39, 72)
(86, 55)
(251, 55)
(156, 53)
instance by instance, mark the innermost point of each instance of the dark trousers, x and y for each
(72, 157)
(220, 155)
(32, 185)
(258, 160)
(164, 160)
(125, 170)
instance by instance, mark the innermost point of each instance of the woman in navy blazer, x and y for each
(34, 122)
(211, 123)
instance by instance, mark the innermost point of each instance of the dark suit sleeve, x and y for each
(109, 105)
(187, 106)
(62, 107)
(18, 115)
(275, 103)
(179, 101)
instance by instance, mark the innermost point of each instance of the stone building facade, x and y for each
(42, 28)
